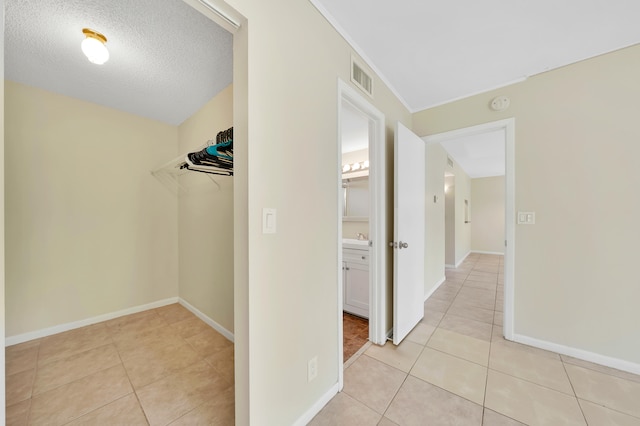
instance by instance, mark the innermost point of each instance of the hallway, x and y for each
(456, 368)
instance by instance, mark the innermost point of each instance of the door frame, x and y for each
(508, 125)
(377, 217)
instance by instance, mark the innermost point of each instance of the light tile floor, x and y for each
(455, 368)
(158, 367)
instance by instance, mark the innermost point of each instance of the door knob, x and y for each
(403, 245)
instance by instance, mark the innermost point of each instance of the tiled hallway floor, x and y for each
(161, 366)
(455, 368)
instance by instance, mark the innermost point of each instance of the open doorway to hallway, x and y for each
(481, 158)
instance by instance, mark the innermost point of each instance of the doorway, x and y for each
(365, 233)
(355, 228)
(507, 126)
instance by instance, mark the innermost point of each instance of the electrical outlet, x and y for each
(312, 369)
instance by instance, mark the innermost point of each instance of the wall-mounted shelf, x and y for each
(169, 173)
(213, 158)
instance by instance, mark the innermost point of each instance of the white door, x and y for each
(409, 232)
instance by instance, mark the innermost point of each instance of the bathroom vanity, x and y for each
(355, 277)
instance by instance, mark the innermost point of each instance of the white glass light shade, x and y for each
(95, 50)
(365, 165)
(346, 168)
(355, 166)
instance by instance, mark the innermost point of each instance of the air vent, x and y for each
(360, 78)
(449, 162)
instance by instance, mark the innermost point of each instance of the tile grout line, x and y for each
(135, 392)
(575, 395)
(33, 383)
(486, 383)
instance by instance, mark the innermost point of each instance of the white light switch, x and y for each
(526, 218)
(268, 221)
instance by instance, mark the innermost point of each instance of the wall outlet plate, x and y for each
(268, 220)
(526, 218)
(312, 369)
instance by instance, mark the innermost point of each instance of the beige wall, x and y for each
(205, 219)
(576, 149)
(89, 230)
(435, 217)
(287, 281)
(450, 221)
(487, 214)
(2, 246)
(435, 244)
(351, 229)
(463, 228)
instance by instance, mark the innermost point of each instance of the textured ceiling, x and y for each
(166, 59)
(432, 52)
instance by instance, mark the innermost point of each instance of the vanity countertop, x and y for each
(352, 243)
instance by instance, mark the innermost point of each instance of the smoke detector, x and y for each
(500, 103)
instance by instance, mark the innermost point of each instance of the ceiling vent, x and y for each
(449, 162)
(360, 78)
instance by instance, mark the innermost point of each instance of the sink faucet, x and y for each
(361, 236)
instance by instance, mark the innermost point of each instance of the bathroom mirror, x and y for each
(355, 205)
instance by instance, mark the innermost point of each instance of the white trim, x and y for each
(219, 12)
(596, 358)
(463, 259)
(509, 126)
(211, 323)
(435, 287)
(446, 265)
(468, 95)
(25, 337)
(317, 406)
(487, 252)
(334, 23)
(377, 215)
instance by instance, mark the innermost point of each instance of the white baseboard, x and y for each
(319, 405)
(607, 361)
(488, 252)
(21, 338)
(435, 287)
(220, 329)
(463, 259)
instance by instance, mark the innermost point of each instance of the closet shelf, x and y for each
(212, 158)
(169, 173)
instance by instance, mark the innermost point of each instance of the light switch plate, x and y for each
(526, 218)
(268, 221)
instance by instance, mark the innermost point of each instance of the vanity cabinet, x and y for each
(355, 279)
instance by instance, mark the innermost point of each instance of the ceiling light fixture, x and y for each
(93, 46)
